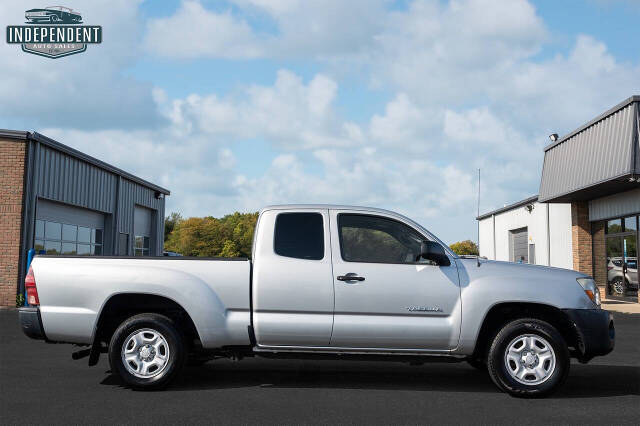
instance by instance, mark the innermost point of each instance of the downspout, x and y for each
(115, 234)
(493, 220)
(548, 237)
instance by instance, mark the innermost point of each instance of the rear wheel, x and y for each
(147, 351)
(528, 357)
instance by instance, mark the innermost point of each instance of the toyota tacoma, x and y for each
(323, 282)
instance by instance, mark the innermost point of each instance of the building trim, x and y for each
(591, 190)
(13, 134)
(517, 204)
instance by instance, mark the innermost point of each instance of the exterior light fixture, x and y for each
(553, 137)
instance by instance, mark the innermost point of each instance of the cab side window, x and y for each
(299, 235)
(374, 239)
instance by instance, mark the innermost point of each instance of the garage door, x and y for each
(64, 229)
(519, 245)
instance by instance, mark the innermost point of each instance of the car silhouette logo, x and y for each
(53, 15)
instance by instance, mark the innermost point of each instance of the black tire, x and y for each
(176, 355)
(498, 365)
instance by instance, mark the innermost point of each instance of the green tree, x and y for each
(170, 224)
(229, 236)
(465, 247)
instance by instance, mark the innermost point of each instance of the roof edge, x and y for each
(553, 198)
(610, 111)
(14, 134)
(532, 199)
(92, 160)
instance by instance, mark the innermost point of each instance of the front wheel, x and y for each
(529, 358)
(147, 351)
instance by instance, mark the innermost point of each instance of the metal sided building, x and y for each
(58, 200)
(591, 179)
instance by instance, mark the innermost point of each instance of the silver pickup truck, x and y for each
(325, 282)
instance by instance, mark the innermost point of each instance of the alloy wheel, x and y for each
(530, 359)
(145, 353)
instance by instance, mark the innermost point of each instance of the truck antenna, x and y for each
(478, 220)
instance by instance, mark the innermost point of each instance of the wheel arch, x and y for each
(502, 313)
(120, 306)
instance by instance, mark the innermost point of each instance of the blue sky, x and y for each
(396, 104)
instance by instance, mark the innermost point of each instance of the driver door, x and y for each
(386, 296)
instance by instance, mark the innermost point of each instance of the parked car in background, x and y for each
(324, 281)
(53, 15)
(170, 253)
(622, 279)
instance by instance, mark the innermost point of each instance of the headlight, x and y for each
(591, 289)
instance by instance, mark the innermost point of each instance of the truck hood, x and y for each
(525, 269)
(508, 281)
(501, 268)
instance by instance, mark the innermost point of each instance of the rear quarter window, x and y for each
(299, 235)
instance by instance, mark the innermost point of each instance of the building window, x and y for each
(63, 238)
(142, 246)
(630, 224)
(614, 226)
(622, 258)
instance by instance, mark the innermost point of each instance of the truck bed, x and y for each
(74, 289)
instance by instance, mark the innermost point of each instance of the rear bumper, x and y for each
(595, 331)
(31, 322)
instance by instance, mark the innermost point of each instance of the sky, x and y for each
(233, 105)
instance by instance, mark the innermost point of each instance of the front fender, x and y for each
(493, 283)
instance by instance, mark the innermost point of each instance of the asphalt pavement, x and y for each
(41, 384)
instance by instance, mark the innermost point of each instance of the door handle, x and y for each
(350, 277)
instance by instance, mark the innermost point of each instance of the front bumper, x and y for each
(595, 332)
(31, 322)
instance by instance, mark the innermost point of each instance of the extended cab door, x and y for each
(292, 291)
(386, 297)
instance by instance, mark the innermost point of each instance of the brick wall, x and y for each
(12, 159)
(581, 237)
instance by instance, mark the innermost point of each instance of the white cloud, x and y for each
(310, 28)
(194, 31)
(404, 124)
(292, 114)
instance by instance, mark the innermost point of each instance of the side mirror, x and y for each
(433, 251)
